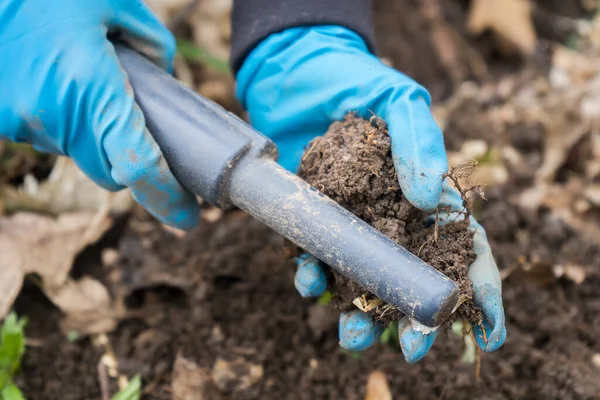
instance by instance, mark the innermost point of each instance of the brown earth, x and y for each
(240, 303)
(352, 164)
(243, 305)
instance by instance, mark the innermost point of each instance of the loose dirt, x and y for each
(352, 163)
(244, 305)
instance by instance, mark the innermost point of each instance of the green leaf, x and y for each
(325, 298)
(133, 391)
(463, 329)
(11, 392)
(72, 336)
(386, 336)
(390, 334)
(458, 328)
(12, 347)
(191, 52)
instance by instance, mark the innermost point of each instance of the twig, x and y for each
(477, 356)
(436, 229)
(463, 171)
(423, 245)
(483, 331)
(478, 365)
(103, 379)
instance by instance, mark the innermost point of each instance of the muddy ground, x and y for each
(230, 294)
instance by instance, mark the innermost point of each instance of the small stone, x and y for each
(110, 257)
(236, 375)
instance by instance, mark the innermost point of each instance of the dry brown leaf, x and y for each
(571, 67)
(510, 20)
(11, 276)
(562, 201)
(377, 387)
(592, 167)
(122, 281)
(490, 173)
(236, 375)
(560, 137)
(31, 243)
(189, 380)
(84, 295)
(455, 53)
(211, 27)
(87, 306)
(47, 246)
(592, 193)
(66, 189)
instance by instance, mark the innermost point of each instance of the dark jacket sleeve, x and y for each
(254, 20)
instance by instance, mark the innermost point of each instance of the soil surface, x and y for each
(243, 305)
(352, 164)
(416, 36)
(234, 299)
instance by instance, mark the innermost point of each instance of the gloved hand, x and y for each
(295, 84)
(487, 288)
(64, 91)
(358, 331)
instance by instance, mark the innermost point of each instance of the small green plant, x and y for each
(390, 335)
(192, 52)
(12, 347)
(463, 329)
(11, 392)
(325, 298)
(133, 391)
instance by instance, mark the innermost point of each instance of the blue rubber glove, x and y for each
(294, 85)
(64, 91)
(487, 291)
(358, 331)
(297, 82)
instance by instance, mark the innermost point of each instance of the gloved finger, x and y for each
(414, 344)
(128, 153)
(487, 289)
(310, 279)
(417, 148)
(491, 336)
(357, 330)
(144, 32)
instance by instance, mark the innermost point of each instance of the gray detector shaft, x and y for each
(220, 158)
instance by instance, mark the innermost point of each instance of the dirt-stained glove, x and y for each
(296, 83)
(487, 291)
(358, 331)
(64, 91)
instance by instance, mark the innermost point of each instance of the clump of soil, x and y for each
(352, 163)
